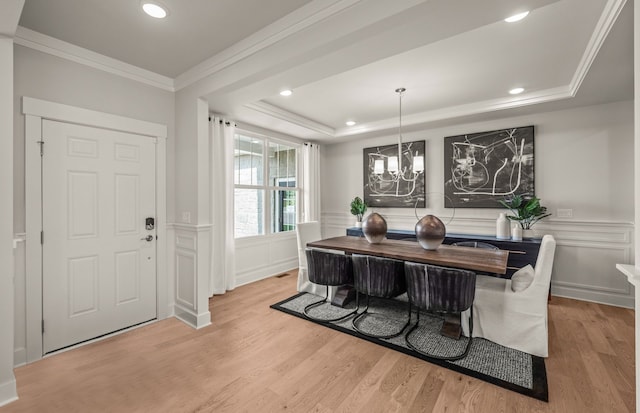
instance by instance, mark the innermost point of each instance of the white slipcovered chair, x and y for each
(515, 319)
(306, 232)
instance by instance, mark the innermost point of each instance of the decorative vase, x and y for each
(374, 228)
(358, 224)
(516, 233)
(502, 227)
(430, 232)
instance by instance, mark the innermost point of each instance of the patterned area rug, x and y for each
(488, 361)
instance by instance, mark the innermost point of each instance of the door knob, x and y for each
(148, 238)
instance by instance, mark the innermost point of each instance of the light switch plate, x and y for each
(564, 213)
(186, 217)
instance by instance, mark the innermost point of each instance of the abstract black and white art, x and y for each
(482, 168)
(390, 181)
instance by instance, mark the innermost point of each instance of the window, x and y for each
(264, 205)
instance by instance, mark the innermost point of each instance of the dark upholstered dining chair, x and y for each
(439, 289)
(377, 277)
(328, 269)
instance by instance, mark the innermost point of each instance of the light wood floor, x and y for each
(254, 359)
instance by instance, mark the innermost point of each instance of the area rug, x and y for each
(487, 361)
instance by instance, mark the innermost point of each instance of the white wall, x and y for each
(7, 379)
(47, 77)
(43, 76)
(584, 161)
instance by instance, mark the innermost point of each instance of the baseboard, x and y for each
(19, 357)
(8, 391)
(594, 297)
(265, 272)
(193, 320)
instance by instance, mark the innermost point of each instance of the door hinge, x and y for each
(41, 237)
(41, 143)
(43, 326)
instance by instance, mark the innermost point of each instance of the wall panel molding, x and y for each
(262, 257)
(191, 267)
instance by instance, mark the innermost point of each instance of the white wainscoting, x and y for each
(586, 255)
(265, 256)
(191, 261)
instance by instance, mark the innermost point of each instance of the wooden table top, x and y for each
(475, 259)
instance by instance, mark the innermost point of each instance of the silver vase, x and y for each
(430, 232)
(374, 228)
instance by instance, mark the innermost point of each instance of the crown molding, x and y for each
(47, 44)
(285, 115)
(293, 23)
(542, 96)
(608, 18)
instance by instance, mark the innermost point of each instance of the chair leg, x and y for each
(323, 301)
(450, 358)
(362, 315)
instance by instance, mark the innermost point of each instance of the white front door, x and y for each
(99, 259)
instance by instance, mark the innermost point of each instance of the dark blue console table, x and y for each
(521, 253)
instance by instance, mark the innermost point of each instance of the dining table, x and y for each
(486, 261)
(468, 258)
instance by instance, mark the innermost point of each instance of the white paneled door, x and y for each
(99, 257)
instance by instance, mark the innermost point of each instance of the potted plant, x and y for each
(526, 211)
(358, 208)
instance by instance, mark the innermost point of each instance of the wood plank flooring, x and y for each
(255, 359)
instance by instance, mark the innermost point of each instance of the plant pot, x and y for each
(530, 233)
(358, 224)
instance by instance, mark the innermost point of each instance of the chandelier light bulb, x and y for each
(378, 167)
(418, 164)
(392, 165)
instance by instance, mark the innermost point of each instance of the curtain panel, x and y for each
(222, 277)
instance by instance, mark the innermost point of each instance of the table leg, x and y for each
(344, 295)
(452, 326)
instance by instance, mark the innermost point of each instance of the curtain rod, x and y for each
(225, 122)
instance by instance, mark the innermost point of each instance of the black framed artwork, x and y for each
(392, 181)
(482, 168)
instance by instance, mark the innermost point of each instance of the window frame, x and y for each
(268, 190)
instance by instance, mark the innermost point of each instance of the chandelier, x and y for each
(395, 168)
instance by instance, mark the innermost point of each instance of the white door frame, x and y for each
(35, 110)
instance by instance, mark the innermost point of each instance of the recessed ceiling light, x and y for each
(517, 17)
(154, 9)
(350, 123)
(516, 91)
(286, 92)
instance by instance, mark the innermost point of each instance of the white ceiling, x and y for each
(344, 58)
(194, 31)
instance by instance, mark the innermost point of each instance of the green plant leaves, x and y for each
(358, 207)
(525, 211)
